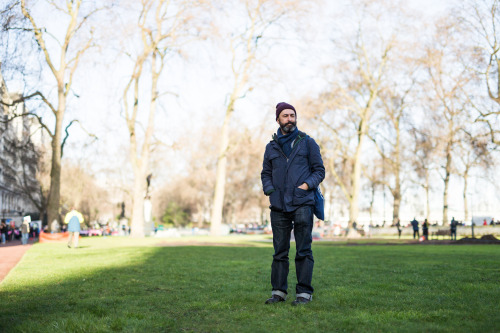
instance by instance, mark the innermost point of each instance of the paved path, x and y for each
(10, 254)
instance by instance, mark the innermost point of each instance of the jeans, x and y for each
(25, 237)
(301, 220)
(3, 238)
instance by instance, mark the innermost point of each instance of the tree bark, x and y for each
(220, 180)
(55, 171)
(466, 208)
(446, 183)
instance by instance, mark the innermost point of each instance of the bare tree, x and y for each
(62, 48)
(472, 153)
(480, 21)
(245, 46)
(353, 100)
(389, 140)
(163, 27)
(424, 160)
(447, 103)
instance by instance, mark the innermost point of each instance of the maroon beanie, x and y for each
(283, 106)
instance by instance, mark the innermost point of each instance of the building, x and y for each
(19, 187)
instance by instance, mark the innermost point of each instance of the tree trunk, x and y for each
(396, 193)
(446, 184)
(55, 170)
(355, 178)
(396, 206)
(137, 222)
(372, 199)
(466, 208)
(220, 180)
(428, 204)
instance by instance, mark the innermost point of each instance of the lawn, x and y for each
(127, 285)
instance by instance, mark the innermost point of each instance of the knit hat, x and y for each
(283, 106)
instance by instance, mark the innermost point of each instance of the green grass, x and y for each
(127, 285)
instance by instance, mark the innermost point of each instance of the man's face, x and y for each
(287, 121)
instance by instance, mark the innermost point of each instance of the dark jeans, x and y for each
(301, 221)
(416, 233)
(453, 233)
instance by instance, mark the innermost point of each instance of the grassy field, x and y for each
(127, 285)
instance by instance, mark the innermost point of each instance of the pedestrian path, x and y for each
(10, 254)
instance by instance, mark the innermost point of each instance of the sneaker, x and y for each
(300, 300)
(275, 299)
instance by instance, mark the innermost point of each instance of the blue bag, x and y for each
(319, 204)
(319, 200)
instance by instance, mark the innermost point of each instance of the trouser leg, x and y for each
(304, 261)
(281, 224)
(76, 236)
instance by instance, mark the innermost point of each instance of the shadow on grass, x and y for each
(159, 289)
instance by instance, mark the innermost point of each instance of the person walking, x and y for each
(73, 220)
(291, 171)
(416, 232)
(453, 229)
(25, 230)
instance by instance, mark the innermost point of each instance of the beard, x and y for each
(288, 127)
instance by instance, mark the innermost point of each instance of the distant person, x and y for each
(398, 225)
(453, 229)
(291, 172)
(4, 229)
(25, 230)
(415, 226)
(12, 230)
(73, 220)
(425, 229)
(484, 222)
(366, 229)
(355, 225)
(54, 227)
(492, 222)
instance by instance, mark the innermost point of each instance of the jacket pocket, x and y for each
(275, 200)
(303, 197)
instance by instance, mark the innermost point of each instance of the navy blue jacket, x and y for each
(281, 176)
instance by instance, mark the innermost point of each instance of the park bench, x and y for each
(441, 232)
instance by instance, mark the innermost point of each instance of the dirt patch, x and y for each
(486, 239)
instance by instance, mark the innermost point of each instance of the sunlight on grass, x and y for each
(121, 284)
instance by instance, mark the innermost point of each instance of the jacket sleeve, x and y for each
(316, 165)
(267, 174)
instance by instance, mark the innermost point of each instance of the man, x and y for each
(414, 224)
(25, 230)
(291, 172)
(453, 229)
(73, 220)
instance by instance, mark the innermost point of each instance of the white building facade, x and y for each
(19, 187)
